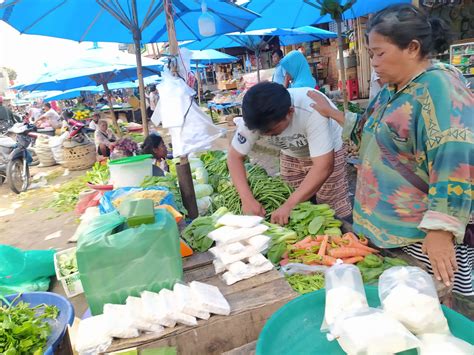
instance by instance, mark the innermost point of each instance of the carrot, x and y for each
(337, 240)
(348, 252)
(324, 244)
(303, 242)
(285, 255)
(353, 260)
(328, 260)
(353, 242)
(320, 238)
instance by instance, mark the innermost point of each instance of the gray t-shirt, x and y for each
(309, 134)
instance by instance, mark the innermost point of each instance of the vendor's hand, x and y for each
(282, 215)
(321, 104)
(252, 207)
(439, 247)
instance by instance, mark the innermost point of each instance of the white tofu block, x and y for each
(239, 221)
(93, 335)
(219, 266)
(172, 307)
(186, 302)
(262, 268)
(230, 279)
(227, 258)
(234, 248)
(240, 269)
(227, 235)
(210, 298)
(259, 242)
(120, 323)
(257, 260)
(136, 311)
(155, 308)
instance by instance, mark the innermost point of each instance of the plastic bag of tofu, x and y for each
(140, 318)
(408, 294)
(93, 335)
(435, 344)
(120, 322)
(344, 292)
(370, 331)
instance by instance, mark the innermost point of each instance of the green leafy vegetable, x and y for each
(373, 266)
(310, 219)
(67, 194)
(306, 283)
(99, 175)
(25, 330)
(281, 238)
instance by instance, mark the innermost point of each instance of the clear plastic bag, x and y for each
(435, 344)
(344, 292)
(297, 268)
(408, 294)
(93, 335)
(370, 331)
(119, 321)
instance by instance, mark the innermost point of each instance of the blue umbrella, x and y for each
(278, 13)
(211, 56)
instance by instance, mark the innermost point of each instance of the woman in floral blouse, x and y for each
(415, 180)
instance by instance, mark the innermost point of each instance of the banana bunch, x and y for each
(82, 115)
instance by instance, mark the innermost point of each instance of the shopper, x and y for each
(279, 74)
(298, 71)
(415, 181)
(312, 156)
(155, 146)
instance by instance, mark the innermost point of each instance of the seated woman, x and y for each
(155, 146)
(104, 139)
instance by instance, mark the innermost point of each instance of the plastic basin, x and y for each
(58, 326)
(295, 327)
(130, 171)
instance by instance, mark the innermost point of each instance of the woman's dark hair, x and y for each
(151, 142)
(264, 105)
(278, 52)
(47, 104)
(404, 23)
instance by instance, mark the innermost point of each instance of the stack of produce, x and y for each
(239, 247)
(151, 312)
(310, 219)
(82, 115)
(99, 174)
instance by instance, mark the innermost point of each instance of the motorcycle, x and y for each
(15, 157)
(78, 133)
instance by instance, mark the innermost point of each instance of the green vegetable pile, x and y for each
(373, 266)
(352, 107)
(137, 137)
(99, 175)
(196, 233)
(271, 192)
(281, 238)
(67, 195)
(310, 219)
(25, 330)
(306, 283)
(67, 264)
(170, 183)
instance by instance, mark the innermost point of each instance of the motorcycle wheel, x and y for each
(17, 182)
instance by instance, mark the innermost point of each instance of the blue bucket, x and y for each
(58, 326)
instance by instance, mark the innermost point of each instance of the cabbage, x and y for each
(201, 175)
(203, 190)
(195, 163)
(203, 205)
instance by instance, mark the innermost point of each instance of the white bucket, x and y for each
(130, 171)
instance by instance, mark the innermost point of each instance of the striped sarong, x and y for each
(465, 259)
(334, 192)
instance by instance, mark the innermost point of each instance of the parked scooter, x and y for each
(15, 157)
(78, 132)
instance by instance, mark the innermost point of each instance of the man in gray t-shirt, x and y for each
(312, 155)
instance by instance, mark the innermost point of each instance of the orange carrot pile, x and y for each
(325, 250)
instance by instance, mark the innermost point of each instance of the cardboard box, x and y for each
(227, 86)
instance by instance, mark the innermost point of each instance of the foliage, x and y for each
(67, 194)
(333, 7)
(25, 330)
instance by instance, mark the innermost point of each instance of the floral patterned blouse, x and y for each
(428, 126)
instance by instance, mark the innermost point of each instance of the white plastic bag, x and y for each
(139, 318)
(297, 268)
(119, 321)
(56, 145)
(210, 298)
(344, 292)
(232, 220)
(370, 331)
(155, 309)
(408, 294)
(435, 344)
(173, 311)
(186, 303)
(93, 335)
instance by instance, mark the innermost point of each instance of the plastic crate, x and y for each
(71, 283)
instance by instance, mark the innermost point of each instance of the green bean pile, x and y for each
(306, 283)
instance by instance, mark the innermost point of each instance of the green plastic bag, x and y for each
(41, 284)
(115, 266)
(19, 266)
(101, 226)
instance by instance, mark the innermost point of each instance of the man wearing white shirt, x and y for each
(312, 156)
(50, 118)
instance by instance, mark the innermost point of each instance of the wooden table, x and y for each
(252, 302)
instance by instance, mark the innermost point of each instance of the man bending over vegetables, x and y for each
(312, 158)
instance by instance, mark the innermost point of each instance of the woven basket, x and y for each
(80, 157)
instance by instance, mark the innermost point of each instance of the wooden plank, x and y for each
(247, 349)
(197, 260)
(257, 304)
